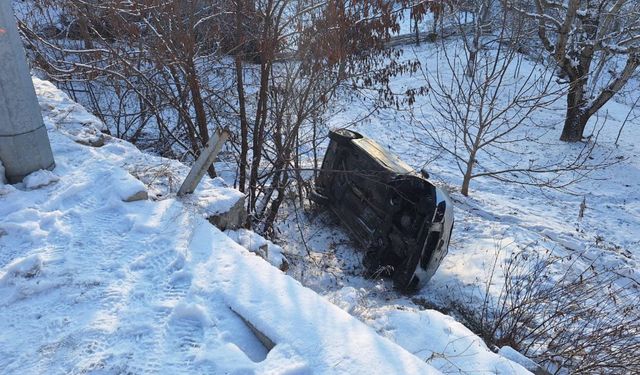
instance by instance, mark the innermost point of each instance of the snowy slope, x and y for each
(90, 283)
(496, 221)
(507, 216)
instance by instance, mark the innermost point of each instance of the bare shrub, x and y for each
(164, 74)
(565, 314)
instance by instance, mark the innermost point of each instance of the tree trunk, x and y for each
(258, 134)
(267, 43)
(244, 125)
(275, 205)
(417, 29)
(466, 181)
(573, 128)
(575, 120)
(198, 105)
(470, 70)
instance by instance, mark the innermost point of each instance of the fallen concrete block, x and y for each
(139, 196)
(128, 188)
(234, 218)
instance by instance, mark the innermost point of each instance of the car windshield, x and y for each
(385, 158)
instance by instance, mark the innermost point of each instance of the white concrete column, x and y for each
(24, 143)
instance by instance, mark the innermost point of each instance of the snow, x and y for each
(91, 283)
(304, 321)
(213, 200)
(504, 213)
(456, 349)
(515, 356)
(25, 267)
(496, 221)
(125, 185)
(266, 249)
(39, 179)
(407, 24)
(68, 117)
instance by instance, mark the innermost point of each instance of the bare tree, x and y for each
(485, 99)
(320, 46)
(174, 70)
(585, 39)
(135, 64)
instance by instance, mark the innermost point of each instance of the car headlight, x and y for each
(440, 211)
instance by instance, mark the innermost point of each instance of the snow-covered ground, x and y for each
(91, 283)
(496, 221)
(95, 278)
(498, 213)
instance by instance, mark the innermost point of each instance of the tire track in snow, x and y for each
(162, 274)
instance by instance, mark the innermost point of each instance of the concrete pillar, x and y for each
(207, 157)
(24, 143)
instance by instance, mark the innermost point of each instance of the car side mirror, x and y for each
(424, 173)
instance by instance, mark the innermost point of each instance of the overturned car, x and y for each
(401, 219)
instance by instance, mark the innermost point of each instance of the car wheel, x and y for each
(403, 276)
(342, 136)
(318, 198)
(372, 260)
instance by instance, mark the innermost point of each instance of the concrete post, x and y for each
(24, 143)
(206, 158)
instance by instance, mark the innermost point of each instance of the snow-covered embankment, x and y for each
(92, 282)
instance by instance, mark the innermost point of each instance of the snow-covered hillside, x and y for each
(494, 225)
(96, 278)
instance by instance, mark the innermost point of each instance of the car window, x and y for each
(383, 157)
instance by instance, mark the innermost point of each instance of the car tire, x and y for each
(343, 136)
(318, 198)
(371, 260)
(403, 276)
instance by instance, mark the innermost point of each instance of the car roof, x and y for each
(385, 158)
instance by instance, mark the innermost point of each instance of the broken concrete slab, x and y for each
(260, 246)
(129, 188)
(139, 196)
(234, 218)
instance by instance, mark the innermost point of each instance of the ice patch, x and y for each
(39, 179)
